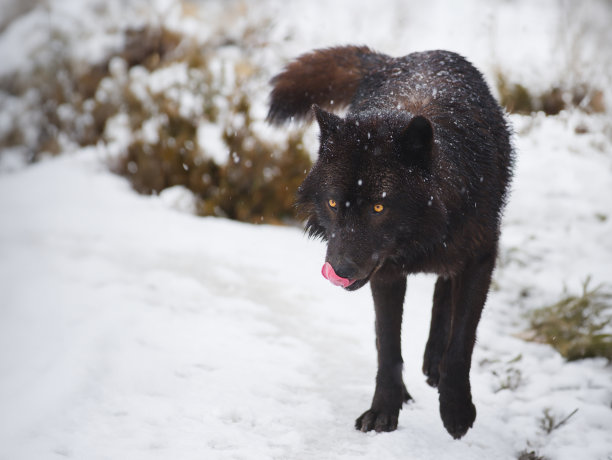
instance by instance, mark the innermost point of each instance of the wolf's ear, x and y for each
(328, 122)
(416, 142)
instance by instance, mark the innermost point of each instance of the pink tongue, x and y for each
(329, 274)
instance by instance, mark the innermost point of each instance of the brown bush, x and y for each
(72, 102)
(516, 98)
(258, 181)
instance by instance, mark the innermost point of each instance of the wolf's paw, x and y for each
(383, 414)
(377, 421)
(431, 362)
(431, 369)
(458, 415)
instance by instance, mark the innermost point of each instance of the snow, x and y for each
(129, 328)
(209, 137)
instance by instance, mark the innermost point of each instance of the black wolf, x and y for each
(412, 179)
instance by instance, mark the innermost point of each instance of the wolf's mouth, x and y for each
(349, 284)
(329, 274)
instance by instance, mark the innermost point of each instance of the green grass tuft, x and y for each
(577, 326)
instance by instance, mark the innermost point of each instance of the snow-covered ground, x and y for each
(132, 329)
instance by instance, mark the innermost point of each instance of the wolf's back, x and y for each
(327, 77)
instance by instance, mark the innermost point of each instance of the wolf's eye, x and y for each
(378, 208)
(332, 204)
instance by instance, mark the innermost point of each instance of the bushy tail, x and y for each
(327, 77)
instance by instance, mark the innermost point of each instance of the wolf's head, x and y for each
(369, 193)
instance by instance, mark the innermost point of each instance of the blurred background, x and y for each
(173, 93)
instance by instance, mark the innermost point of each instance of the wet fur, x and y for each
(424, 137)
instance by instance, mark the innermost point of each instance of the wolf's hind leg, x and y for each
(439, 330)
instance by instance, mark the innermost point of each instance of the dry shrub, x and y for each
(257, 184)
(577, 326)
(517, 98)
(149, 46)
(530, 455)
(54, 102)
(72, 102)
(258, 181)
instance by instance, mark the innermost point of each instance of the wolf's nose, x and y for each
(346, 268)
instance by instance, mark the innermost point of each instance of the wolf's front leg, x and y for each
(388, 290)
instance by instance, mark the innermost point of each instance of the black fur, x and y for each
(424, 138)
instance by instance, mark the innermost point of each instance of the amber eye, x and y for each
(378, 207)
(332, 203)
